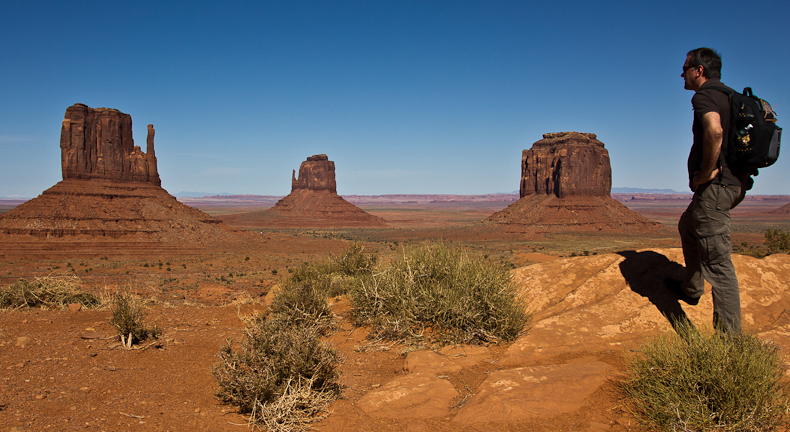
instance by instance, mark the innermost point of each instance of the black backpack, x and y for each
(754, 136)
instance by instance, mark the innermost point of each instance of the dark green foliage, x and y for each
(52, 292)
(777, 241)
(461, 298)
(705, 381)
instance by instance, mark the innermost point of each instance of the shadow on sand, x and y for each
(644, 272)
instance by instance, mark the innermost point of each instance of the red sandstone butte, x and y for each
(110, 190)
(313, 202)
(566, 180)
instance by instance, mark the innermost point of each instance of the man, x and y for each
(705, 225)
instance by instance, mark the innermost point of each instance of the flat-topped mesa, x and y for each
(316, 173)
(566, 164)
(97, 143)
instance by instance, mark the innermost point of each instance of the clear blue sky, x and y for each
(405, 96)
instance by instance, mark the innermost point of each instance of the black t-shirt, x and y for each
(707, 100)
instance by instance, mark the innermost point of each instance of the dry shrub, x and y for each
(705, 381)
(461, 298)
(48, 291)
(128, 317)
(302, 304)
(281, 374)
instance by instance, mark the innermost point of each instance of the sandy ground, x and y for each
(65, 370)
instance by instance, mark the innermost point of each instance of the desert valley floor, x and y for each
(594, 296)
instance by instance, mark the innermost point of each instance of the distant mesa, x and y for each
(110, 189)
(566, 180)
(313, 202)
(785, 209)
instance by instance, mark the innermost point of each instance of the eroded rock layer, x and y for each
(102, 208)
(577, 213)
(96, 143)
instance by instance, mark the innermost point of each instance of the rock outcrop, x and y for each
(110, 190)
(566, 164)
(566, 180)
(313, 202)
(97, 143)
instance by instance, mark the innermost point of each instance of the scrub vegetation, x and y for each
(705, 381)
(434, 293)
(47, 292)
(128, 317)
(284, 376)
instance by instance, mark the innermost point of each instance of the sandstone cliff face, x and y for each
(316, 173)
(566, 164)
(97, 144)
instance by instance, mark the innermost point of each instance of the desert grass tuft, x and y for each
(704, 381)
(460, 298)
(128, 317)
(50, 292)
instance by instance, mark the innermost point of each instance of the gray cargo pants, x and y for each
(705, 234)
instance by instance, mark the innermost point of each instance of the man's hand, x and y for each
(698, 179)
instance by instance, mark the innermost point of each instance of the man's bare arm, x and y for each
(711, 147)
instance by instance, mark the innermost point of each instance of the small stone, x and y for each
(22, 341)
(75, 307)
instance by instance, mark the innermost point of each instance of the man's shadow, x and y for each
(644, 272)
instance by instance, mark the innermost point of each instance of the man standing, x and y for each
(705, 225)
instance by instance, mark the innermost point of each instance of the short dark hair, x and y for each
(709, 59)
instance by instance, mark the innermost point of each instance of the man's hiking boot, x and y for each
(676, 286)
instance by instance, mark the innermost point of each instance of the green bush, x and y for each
(777, 241)
(458, 297)
(128, 318)
(340, 274)
(704, 381)
(51, 292)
